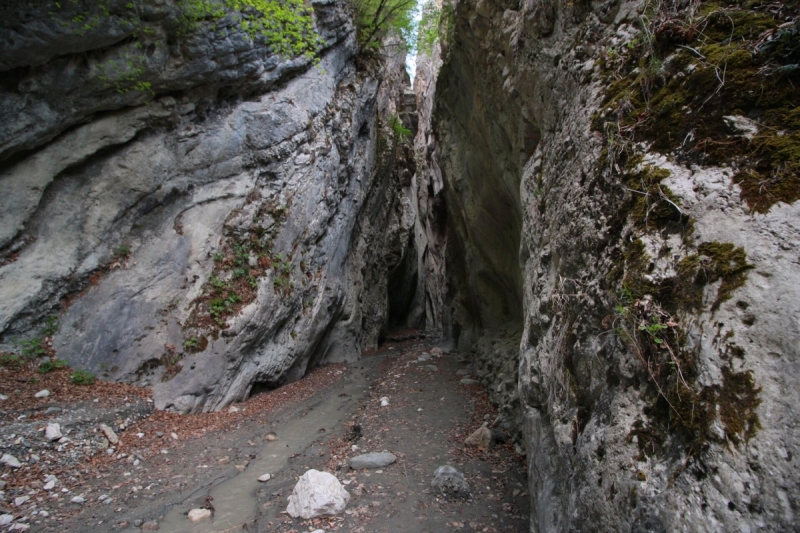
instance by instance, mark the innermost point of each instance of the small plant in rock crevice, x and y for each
(82, 377)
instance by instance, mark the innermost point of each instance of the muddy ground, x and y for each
(151, 479)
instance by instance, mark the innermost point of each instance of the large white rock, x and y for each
(10, 460)
(53, 432)
(317, 494)
(198, 515)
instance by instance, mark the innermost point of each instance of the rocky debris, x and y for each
(372, 460)
(385, 401)
(198, 515)
(481, 438)
(42, 394)
(78, 499)
(469, 381)
(150, 525)
(450, 482)
(10, 460)
(317, 494)
(224, 461)
(423, 357)
(20, 500)
(6, 519)
(437, 352)
(50, 482)
(109, 433)
(53, 432)
(432, 368)
(3, 397)
(233, 409)
(264, 478)
(462, 372)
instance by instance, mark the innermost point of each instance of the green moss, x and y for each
(740, 63)
(738, 400)
(727, 263)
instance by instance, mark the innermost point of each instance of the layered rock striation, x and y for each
(223, 228)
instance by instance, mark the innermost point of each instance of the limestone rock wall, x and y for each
(229, 227)
(657, 389)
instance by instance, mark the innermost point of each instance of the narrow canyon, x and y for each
(572, 224)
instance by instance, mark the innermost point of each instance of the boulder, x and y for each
(450, 482)
(481, 439)
(53, 432)
(317, 494)
(372, 460)
(10, 460)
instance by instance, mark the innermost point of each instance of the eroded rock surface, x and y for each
(234, 230)
(635, 285)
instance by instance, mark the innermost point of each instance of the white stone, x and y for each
(233, 409)
(3, 398)
(19, 527)
(384, 401)
(78, 499)
(110, 435)
(50, 485)
(317, 494)
(174, 436)
(43, 394)
(21, 500)
(53, 432)
(264, 478)
(10, 460)
(6, 519)
(198, 515)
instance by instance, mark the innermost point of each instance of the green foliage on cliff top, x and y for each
(435, 25)
(286, 27)
(378, 19)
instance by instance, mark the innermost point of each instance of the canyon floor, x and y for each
(165, 465)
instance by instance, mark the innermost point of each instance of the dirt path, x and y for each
(428, 417)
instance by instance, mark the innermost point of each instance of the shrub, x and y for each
(82, 377)
(48, 366)
(32, 348)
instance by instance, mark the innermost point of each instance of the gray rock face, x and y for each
(131, 221)
(450, 482)
(538, 224)
(372, 460)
